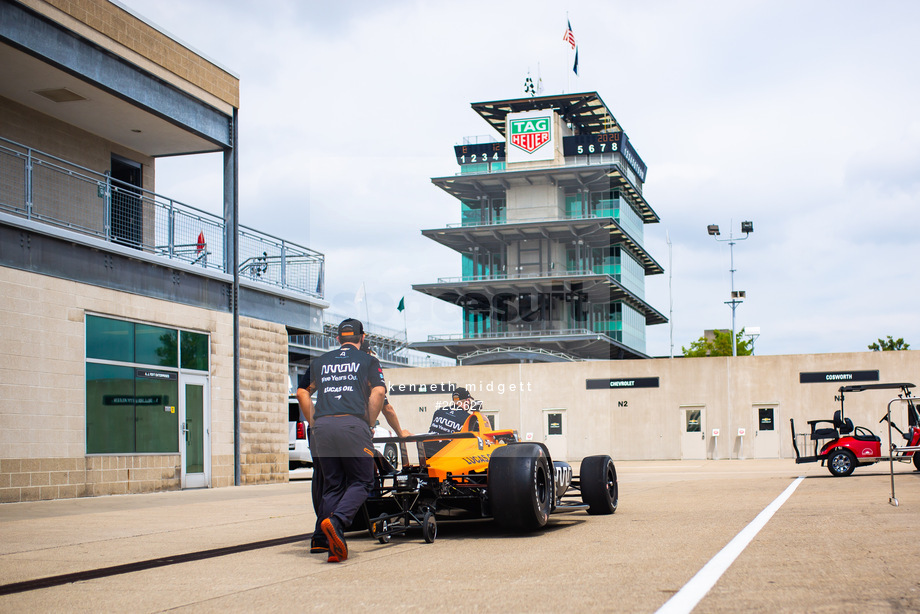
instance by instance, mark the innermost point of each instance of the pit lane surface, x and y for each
(835, 545)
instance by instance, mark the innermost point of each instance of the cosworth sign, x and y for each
(530, 136)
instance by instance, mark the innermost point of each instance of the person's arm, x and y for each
(389, 412)
(306, 403)
(375, 404)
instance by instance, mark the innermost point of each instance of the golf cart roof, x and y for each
(861, 387)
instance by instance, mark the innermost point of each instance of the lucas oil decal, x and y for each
(475, 460)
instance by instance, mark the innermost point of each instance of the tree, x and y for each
(719, 345)
(889, 345)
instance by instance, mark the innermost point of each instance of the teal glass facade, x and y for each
(132, 384)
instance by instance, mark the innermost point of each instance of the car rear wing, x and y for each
(420, 440)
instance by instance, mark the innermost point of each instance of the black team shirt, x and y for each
(344, 379)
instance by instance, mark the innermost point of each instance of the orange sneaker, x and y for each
(338, 549)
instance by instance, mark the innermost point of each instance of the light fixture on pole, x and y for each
(752, 332)
(737, 295)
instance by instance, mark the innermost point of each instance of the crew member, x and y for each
(349, 396)
(305, 389)
(449, 419)
(388, 411)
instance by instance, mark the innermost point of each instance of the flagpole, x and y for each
(367, 314)
(566, 61)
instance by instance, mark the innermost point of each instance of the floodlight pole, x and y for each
(746, 228)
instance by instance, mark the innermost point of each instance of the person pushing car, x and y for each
(349, 397)
(450, 419)
(318, 542)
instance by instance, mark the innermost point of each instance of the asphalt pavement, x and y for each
(835, 545)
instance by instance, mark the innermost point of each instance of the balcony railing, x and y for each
(516, 334)
(513, 276)
(401, 356)
(47, 189)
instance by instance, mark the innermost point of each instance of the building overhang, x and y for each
(595, 288)
(100, 92)
(586, 112)
(585, 345)
(595, 232)
(609, 175)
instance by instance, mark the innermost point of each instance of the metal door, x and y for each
(693, 432)
(766, 436)
(554, 433)
(195, 431)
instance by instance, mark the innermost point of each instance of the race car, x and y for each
(481, 473)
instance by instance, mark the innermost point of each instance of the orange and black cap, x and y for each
(350, 329)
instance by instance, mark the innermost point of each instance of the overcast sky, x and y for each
(801, 116)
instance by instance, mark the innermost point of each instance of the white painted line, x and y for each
(693, 591)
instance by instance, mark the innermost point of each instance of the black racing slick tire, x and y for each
(599, 489)
(389, 453)
(520, 486)
(841, 462)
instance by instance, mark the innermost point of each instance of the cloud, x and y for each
(798, 116)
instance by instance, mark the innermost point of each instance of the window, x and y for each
(765, 418)
(132, 384)
(694, 424)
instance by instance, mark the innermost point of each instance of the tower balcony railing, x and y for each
(513, 276)
(601, 213)
(516, 334)
(58, 193)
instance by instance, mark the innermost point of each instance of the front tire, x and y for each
(917, 460)
(841, 462)
(599, 489)
(520, 486)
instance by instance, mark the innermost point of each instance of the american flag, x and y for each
(569, 36)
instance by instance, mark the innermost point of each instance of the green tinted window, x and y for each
(109, 339)
(154, 345)
(194, 351)
(157, 414)
(109, 409)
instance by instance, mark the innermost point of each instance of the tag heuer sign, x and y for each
(530, 134)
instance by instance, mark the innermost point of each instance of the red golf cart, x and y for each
(843, 447)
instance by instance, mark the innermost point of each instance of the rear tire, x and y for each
(389, 453)
(599, 489)
(520, 486)
(841, 462)
(917, 461)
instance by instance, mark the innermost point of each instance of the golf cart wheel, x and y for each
(841, 462)
(520, 486)
(389, 453)
(429, 527)
(599, 488)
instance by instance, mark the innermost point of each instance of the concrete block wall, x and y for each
(647, 423)
(121, 32)
(42, 390)
(34, 479)
(263, 402)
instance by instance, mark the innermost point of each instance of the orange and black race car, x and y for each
(481, 473)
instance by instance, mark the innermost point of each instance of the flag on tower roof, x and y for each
(569, 36)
